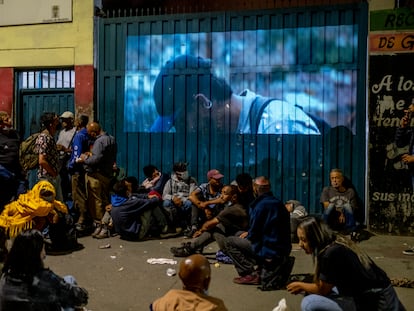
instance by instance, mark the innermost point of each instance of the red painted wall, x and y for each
(84, 90)
(6, 90)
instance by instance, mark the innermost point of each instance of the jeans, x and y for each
(71, 280)
(241, 252)
(350, 224)
(177, 216)
(332, 302)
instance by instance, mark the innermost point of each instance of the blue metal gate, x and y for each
(311, 61)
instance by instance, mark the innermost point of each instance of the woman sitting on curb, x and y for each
(345, 277)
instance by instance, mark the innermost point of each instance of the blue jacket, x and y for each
(81, 144)
(269, 230)
(126, 214)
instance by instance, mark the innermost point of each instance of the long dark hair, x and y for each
(23, 260)
(319, 237)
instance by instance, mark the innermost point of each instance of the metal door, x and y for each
(35, 102)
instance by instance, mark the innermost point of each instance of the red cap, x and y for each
(214, 174)
(152, 192)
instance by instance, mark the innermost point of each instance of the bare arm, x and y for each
(45, 164)
(319, 288)
(207, 226)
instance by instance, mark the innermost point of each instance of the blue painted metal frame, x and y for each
(297, 165)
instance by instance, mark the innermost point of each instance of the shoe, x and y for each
(250, 279)
(171, 233)
(84, 229)
(409, 251)
(103, 233)
(184, 251)
(97, 230)
(189, 233)
(53, 251)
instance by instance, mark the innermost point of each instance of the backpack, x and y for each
(29, 158)
(259, 105)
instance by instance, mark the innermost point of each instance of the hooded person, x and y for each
(39, 209)
(32, 210)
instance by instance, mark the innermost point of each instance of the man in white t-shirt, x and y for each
(64, 145)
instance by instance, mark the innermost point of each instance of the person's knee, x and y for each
(310, 303)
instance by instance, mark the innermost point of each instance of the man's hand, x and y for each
(197, 233)
(177, 201)
(406, 158)
(243, 235)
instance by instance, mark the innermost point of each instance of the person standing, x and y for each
(99, 164)
(12, 178)
(405, 136)
(49, 164)
(64, 145)
(345, 277)
(195, 274)
(266, 244)
(81, 144)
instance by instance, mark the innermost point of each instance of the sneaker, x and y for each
(189, 233)
(183, 251)
(97, 231)
(103, 233)
(409, 251)
(250, 279)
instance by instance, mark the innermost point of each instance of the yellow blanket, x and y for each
(18, 215)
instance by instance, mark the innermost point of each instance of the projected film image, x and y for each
(275, 81)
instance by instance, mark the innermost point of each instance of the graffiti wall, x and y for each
(391, 92)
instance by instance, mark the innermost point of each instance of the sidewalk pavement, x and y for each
(119, 278)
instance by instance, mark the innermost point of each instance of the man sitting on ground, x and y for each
(232, 219)
(132, 214)
(267, 243)
(206, 201)
(195, 273)
(176, 194)
(339, 204)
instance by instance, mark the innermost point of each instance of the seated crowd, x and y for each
(254, 229)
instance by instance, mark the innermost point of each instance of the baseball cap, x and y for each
(67, 115)
(214, 174)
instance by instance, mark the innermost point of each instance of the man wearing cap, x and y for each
(64, 145)
(207, 201)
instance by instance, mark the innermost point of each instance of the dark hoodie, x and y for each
(126, 214)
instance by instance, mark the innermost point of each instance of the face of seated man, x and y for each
(336, 180)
